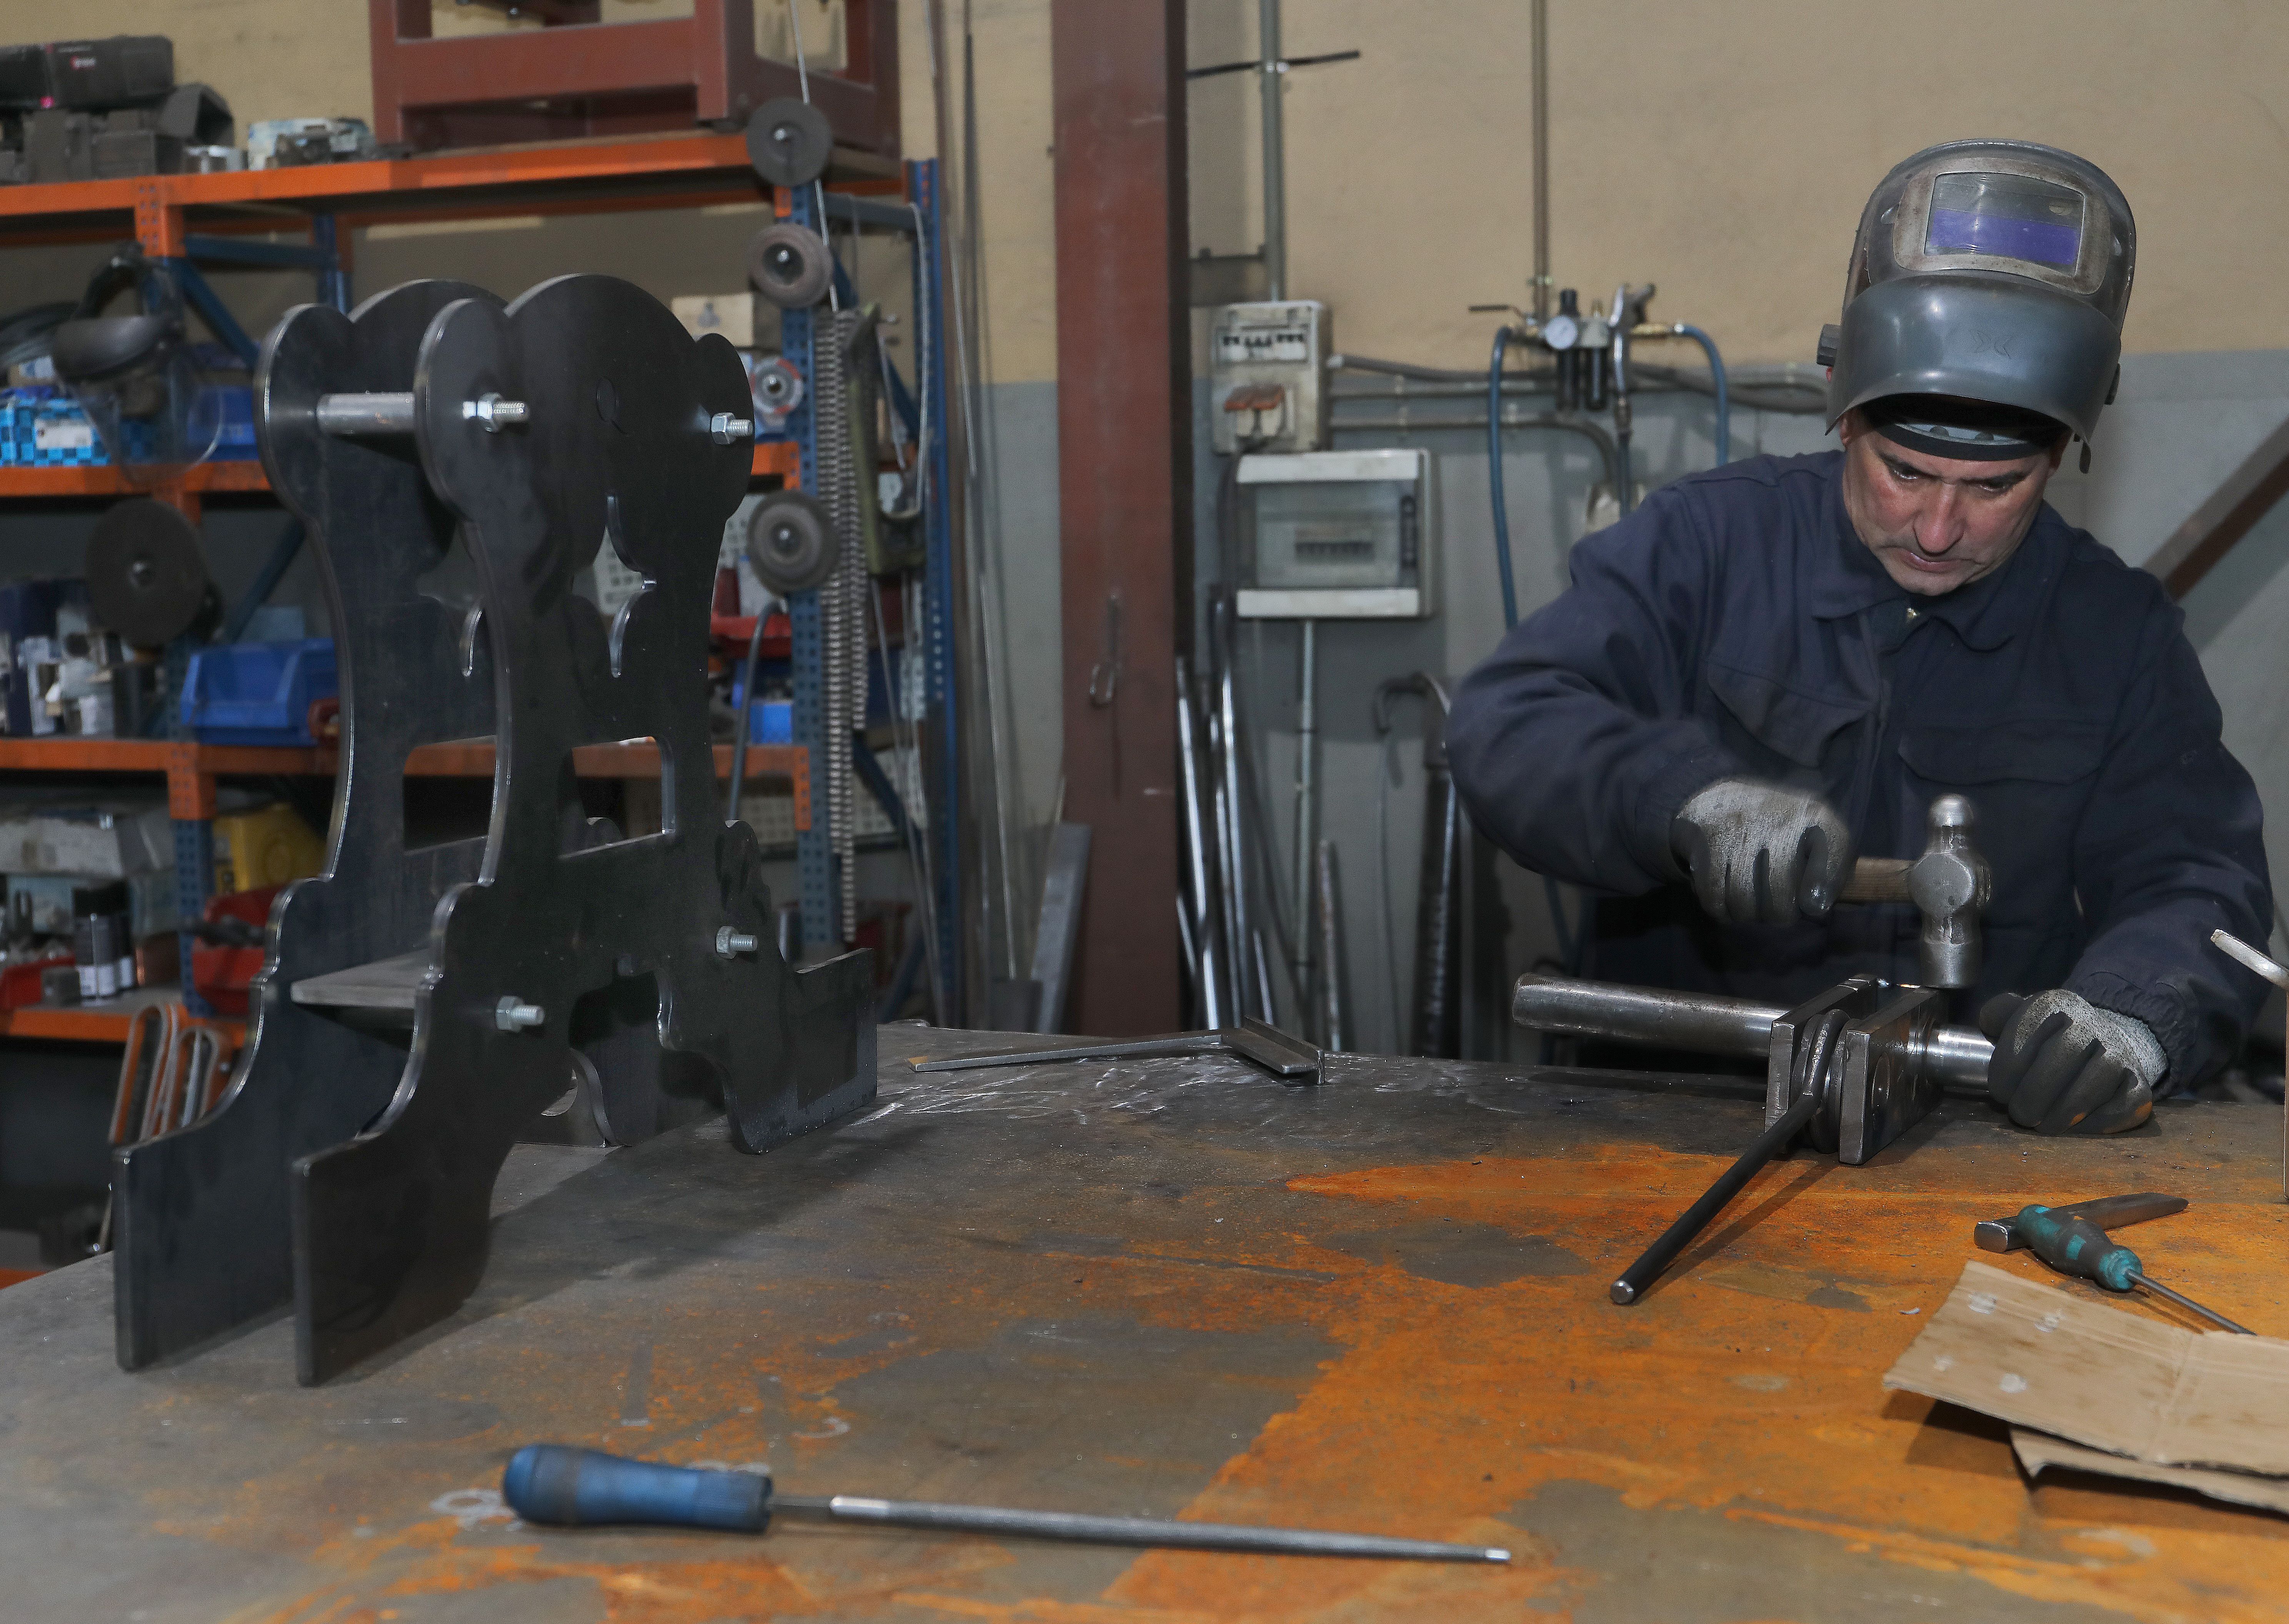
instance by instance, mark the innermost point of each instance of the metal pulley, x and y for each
(789, 141)
(777, 389)
(789, 264)
(147, 578)
(791, 542)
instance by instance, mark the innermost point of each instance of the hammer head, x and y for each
(1949, 886)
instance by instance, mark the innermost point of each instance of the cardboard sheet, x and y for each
(2037, 1449)
(2035, 1357)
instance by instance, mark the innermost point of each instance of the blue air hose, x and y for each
(1494, 475)
(1717, 375)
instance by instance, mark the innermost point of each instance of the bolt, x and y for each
(730, 943)
(493, 414)
(513, 1014)
(723, 428)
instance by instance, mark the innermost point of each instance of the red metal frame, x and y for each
(578, 76)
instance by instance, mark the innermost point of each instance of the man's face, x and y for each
(1936, 522)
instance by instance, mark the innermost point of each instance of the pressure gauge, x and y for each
(1561, 331)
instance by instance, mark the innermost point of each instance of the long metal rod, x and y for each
(1331, 949)
(1696, 1218)
(1271, 74)
(1131, 1530)
(1306, 809)
(1208, 979)
(1539, 28)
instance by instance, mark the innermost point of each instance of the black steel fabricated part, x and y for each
(204, 1219)
(554, 951)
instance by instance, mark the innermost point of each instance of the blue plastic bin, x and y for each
(771, 721)
(258, 693)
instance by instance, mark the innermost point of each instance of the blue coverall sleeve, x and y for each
(1574, 743)
(2169, 850)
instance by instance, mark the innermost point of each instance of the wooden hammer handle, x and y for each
(1876, 879)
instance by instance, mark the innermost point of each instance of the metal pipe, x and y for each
(1540, 27)
(1707, 1022)
(1703, 1022)
(1408, 422)
(1331, 949)
(1307, 819)
(1228, 775)
(1208, 975)
(1271, 78)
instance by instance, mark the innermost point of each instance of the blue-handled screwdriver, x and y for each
(2075, 1245)
(554, 1483)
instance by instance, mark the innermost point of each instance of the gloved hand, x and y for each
(1757, 852)
(2062, 1065)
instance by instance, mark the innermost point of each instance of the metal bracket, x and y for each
(1877, 1085)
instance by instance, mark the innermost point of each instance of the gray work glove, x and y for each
(1761, 854)
(2062, 1065)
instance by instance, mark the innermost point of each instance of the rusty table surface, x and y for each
(1173, 1288)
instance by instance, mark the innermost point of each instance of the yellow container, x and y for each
(266, 846)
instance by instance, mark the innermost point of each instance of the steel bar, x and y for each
(1306, 735)
(2211, 1315)
(1331, 949)
(1696, 1218)
(1131, 1530)
(1201, 942)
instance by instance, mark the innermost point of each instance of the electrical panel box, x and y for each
(1268, 376)
(1337, 535)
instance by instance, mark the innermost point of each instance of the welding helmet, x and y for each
(1994, 274)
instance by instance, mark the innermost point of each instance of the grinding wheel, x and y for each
(789, 141)
(791, 542)
(147, 578)
(790, 265)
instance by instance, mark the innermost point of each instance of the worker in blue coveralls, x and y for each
(1771, 668)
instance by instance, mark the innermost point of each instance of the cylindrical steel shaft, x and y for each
(1696, 1218)
(1134, 1530)
(1700, 1021)
(1708, 1024)
(366, 414)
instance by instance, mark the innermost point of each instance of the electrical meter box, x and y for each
(1268, 377)
(1336, 536)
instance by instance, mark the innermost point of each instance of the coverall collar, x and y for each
(1986, 614)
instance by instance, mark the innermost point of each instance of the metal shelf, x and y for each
(102, 1022)
(772, 457)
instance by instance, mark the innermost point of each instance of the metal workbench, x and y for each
(1169, 1287)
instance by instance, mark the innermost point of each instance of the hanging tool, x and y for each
(2107, 1213)
(557, 1485)
(2075, 1245)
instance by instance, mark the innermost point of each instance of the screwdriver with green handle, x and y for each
(2073, 1244)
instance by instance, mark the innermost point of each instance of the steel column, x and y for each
(941, 745)
(1124, 456)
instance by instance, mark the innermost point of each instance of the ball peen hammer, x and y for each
(1949, 884)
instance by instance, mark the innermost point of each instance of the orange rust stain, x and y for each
(1451, 1405)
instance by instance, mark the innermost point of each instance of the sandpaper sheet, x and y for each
(2037, 1449)
(2035, 1357)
